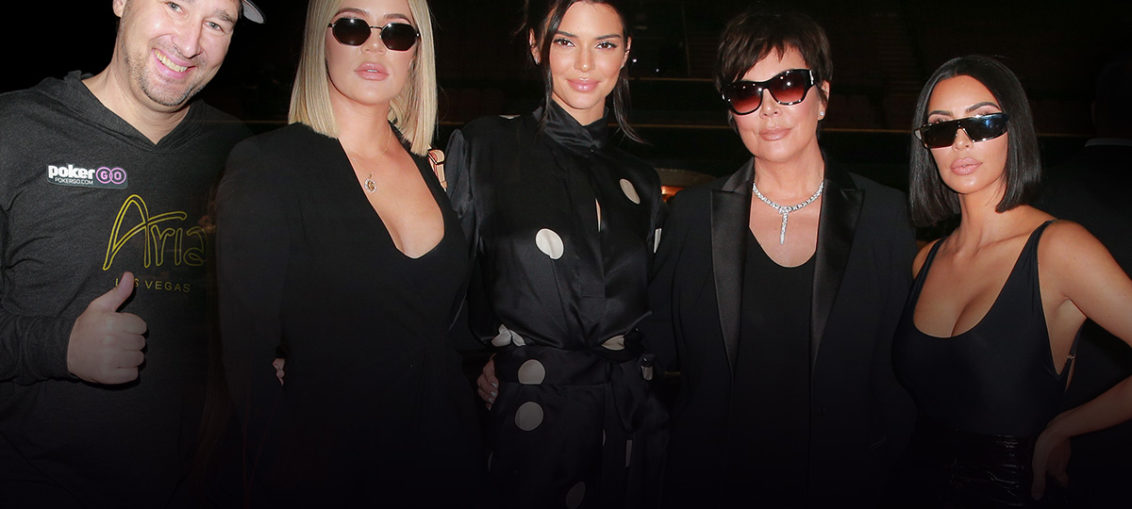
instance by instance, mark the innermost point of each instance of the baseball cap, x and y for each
(252, 13)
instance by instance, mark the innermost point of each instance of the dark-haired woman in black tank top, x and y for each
(986, 342)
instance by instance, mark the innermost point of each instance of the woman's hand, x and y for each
(278, 365)
(487, 386)
(1051, 457)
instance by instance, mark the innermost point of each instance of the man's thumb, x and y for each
(113, 299)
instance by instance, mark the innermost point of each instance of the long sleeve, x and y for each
(33, 348)
(476, 323)
(459, 168)
(898, 408)
(252, 257)
(659, 329)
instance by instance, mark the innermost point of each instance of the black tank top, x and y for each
(769, 419)
(998, 377)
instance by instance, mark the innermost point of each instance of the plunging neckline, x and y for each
(359, 193)
(994, 305)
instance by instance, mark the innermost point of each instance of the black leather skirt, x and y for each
(950, 469)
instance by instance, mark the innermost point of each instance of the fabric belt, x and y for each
(628, 372)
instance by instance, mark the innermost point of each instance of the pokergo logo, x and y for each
(104, 177)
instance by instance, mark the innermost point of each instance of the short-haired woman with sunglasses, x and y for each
(775, 296)
(987, 340)
(338, 245)
(562, 223)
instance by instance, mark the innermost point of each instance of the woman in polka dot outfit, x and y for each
(775, 295)
(562, 224)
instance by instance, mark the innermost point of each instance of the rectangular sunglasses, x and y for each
(787, 88)
(355, 32)
(978, 128)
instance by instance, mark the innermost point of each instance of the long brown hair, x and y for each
(542, 18)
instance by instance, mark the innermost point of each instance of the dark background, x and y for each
(883, 50)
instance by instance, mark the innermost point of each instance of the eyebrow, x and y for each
(600, 37)
(392, 15)
(980, 105)
(971, 108)
(224, 15)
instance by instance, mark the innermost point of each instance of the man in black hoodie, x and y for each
(103, 185)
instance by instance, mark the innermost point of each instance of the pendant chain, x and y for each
(785, 210)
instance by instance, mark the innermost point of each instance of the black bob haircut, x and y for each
(932, 202)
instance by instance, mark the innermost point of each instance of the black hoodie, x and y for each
(84, 196)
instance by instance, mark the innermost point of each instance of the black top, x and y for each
(771, 418)
(85, 197)
(527, 199)
(998, 377)
(558, 289)
(860, 417)
(375, 408)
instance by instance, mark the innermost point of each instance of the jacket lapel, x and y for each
(730, 208)
(841, 207)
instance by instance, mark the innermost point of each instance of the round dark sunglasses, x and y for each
(786, 87)
(355, 32)
(978, 128)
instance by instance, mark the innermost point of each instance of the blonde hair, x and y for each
(413, 111)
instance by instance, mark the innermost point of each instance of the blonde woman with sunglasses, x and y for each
(987, 339)
(338, 245)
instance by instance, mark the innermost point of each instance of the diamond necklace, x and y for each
(785, 210)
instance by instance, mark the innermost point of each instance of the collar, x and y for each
(740, 181)
(564, 130)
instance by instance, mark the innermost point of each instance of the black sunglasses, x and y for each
(978, 128)
(786, 87)
(355, 32)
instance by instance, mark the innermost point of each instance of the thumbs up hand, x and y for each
(106, 346)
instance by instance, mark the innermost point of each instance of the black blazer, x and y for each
(861, 417)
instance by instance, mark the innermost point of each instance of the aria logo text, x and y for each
(104, 177)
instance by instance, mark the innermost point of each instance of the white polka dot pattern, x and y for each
(532, 372)
(576, 495)
(502, 338)
(549, 243)
(615, 343)
(506, 336)
(529, 416)
(630, 191)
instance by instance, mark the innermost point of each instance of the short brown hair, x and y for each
(754, 33)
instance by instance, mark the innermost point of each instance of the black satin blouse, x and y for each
(552, 272)
(558, 290)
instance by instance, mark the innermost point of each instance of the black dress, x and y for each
(558, 291)
(982, 397)
(375, 410)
